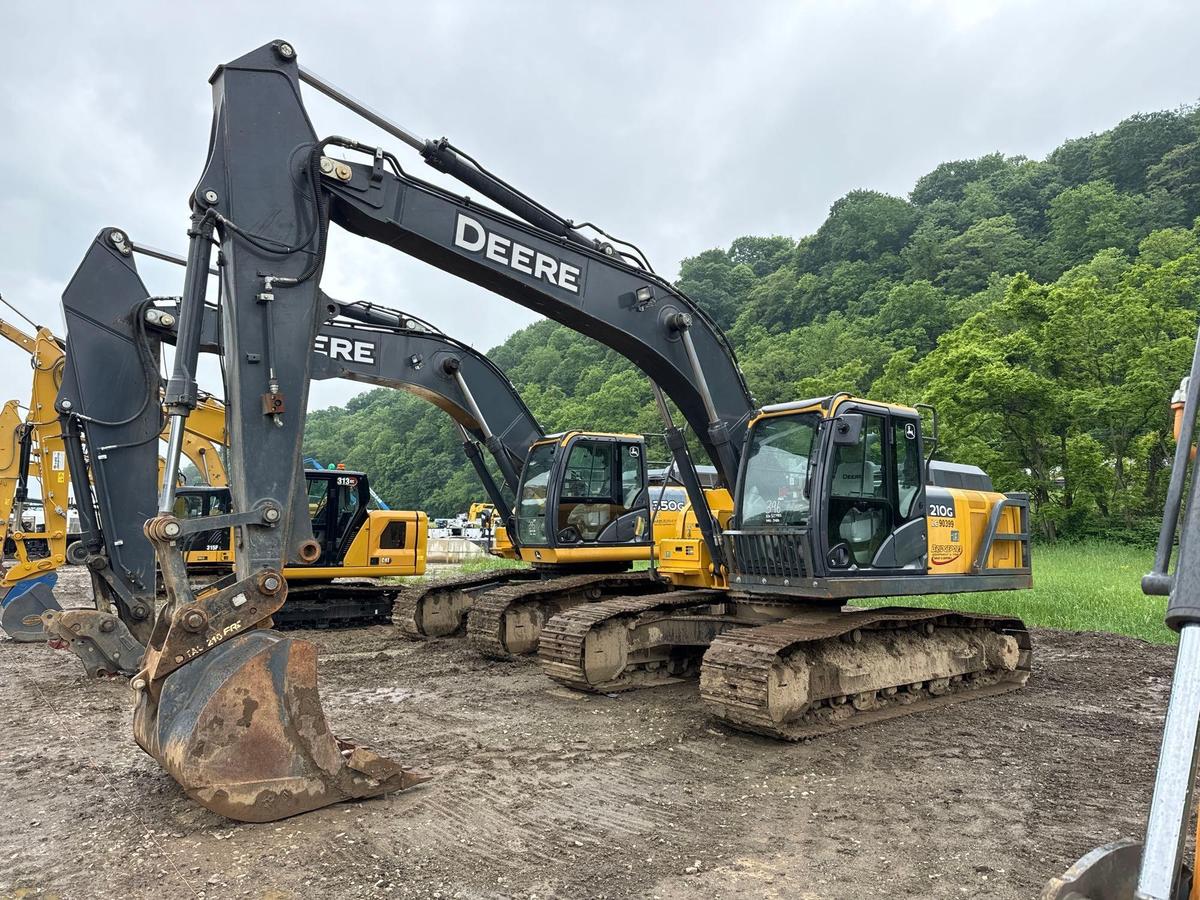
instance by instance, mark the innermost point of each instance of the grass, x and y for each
(1078, 587)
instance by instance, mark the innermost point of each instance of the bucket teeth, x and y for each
(242, 730)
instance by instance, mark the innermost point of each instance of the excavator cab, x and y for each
(583, 497)
(337, 505)
(353, 539)
(838, 490)
(205, 549)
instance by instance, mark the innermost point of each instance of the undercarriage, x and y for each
(785, 669)
(503, 613)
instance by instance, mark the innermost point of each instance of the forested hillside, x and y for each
(1046, 307)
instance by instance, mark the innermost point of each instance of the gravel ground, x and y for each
(541, 792)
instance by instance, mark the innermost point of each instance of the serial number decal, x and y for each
(215, 638)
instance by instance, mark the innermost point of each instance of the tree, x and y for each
(990, 246)
(863, 225)
(1178, 174)
(1124, 154)
(1087, 219)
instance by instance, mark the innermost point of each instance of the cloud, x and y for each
(679, 126)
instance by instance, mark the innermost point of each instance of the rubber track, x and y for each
(404, 611)
(560, 651)
(485, 621)
(337, 605)
(737, 666)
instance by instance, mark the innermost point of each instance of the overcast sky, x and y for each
(679, 126)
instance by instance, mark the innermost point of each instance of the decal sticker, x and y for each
(472, 236)
(944, 554)
(346, 349)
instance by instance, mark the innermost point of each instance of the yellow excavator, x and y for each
(830, 499)
(35, 448)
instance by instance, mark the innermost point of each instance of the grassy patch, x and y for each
(487, 563)
(1080, 587)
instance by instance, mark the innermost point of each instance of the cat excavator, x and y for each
(34, 449)
(826, 500)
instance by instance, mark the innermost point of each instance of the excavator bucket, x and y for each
(22, 607)
(242, 730)
(1107, 873)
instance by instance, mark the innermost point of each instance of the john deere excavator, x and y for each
(598, 481)
(829, 499)
(112, 435)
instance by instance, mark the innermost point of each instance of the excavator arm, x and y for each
(376, 345)
(110, 316)
(266, 197)
(266, 164)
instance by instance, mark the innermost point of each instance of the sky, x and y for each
(678, 126)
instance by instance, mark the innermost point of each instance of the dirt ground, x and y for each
(542, 793)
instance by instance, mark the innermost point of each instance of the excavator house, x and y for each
(818, 503)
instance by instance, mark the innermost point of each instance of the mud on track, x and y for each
(543, 793)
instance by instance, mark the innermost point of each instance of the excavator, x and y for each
(372, 344)
(35, 449)
(111, 441)
(607, 529)
(1157, 868)
(826, 500)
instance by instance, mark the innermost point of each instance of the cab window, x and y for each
(778, 466)
(603, 486)
(531, 506)
(589, 471)
(632, 480)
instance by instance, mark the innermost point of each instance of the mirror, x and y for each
(847, 429)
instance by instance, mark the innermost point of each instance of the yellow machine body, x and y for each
(48, 459)
(367, 557)
(954, 542)
(683, 556)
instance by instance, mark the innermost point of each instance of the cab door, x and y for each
(874, 492)
(602, 495)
